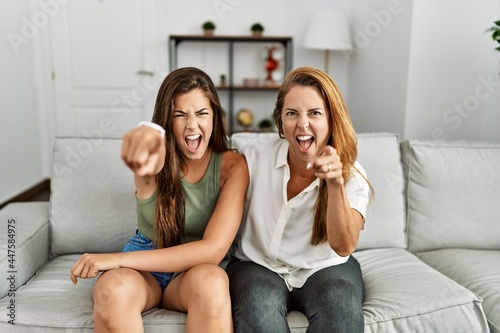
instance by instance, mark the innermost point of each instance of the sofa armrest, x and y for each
(24, 243)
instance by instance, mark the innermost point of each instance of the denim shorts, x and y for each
(140, 242)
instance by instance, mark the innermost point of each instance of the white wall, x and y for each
(378, 68)
(454, 82)
(20, 139)
(413, 61)
(279, 17)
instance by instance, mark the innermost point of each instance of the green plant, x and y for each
(495, 34)
(265, 124)
(257, 27)
(208, 25)
(222, 80)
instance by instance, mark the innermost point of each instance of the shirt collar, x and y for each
(282, 153)
(282, 160)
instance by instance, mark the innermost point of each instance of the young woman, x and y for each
(190, 191)
(306, 208)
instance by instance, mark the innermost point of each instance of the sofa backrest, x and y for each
(379, 154)
(385, 226)
(453, 194)
(92, 204)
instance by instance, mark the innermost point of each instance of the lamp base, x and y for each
(327, 60)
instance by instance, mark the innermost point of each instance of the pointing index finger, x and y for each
(327, 150)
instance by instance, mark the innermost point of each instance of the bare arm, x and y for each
(217, 239)
(344, 223)
(143, 150)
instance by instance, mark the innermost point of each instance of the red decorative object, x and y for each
(271, 64)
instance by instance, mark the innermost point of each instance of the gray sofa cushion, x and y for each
(30, 242)
(403, 294)
(453, 194)
(385, 218)
(51, 303)
(379, 154)
(93, 205)
(477, 270)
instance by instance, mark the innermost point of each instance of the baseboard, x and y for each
(30, 193)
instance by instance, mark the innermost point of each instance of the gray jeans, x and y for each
(331, 299)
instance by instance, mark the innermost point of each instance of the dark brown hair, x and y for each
(342, 137)
(169, 214)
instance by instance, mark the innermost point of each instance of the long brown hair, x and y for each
(169, 213)
(342, 137)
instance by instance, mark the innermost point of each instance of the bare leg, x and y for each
(202, 292)
(120, 295)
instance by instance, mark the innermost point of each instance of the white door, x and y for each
(106, 56)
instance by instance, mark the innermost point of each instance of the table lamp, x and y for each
(328, 30)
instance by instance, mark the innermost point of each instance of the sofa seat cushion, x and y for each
(49, 302)
(477, 270)
(403, 294)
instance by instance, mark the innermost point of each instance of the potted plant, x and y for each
(208, 28)
(257, 29)
(266, 125)
(495, 34)
(222, 80)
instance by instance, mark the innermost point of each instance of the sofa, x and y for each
(429, 253)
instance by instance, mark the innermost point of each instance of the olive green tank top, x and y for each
(199, 203)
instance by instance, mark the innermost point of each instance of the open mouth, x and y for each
(193, 141)
(305, 141)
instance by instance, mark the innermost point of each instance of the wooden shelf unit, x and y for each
(286, 41)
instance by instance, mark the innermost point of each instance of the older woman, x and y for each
(305, 210)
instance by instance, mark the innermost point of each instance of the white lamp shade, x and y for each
(328, 30)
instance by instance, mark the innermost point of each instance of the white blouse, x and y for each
(276, 233)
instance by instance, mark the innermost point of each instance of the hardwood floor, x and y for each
(39, 192)
(42, 196)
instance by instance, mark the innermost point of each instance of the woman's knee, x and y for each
(115, 287)
(120, 295)
(207, 284)
(338, 306)
(252, 283)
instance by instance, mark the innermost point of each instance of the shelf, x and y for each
(245, 88)
(231, 40)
